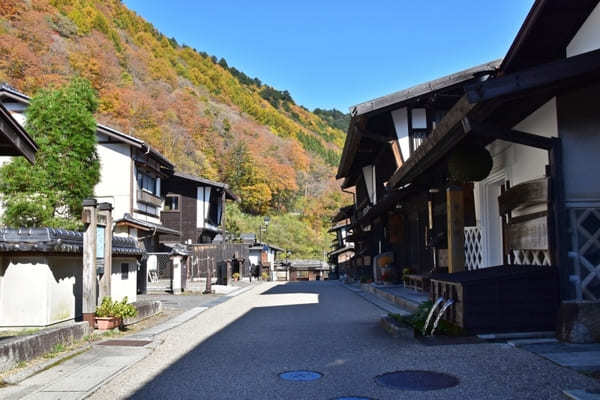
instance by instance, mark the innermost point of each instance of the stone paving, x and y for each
(236, 350)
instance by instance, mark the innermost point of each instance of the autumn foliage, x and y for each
(193, 108)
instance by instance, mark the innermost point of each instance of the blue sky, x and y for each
(332, 53)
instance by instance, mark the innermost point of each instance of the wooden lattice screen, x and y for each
(585, 252)
(473, 248)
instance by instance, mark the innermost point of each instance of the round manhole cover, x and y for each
(417, 380)
(353, 398)
(300, 376)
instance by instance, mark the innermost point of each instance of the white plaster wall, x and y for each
(587, 37)
(517, 164)
(400, 118)
(115, 177)
(120, 287)
(254, 257)
(271, 256)
(39, 291)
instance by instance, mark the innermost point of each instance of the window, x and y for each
(147, 183)
(147, 209)
(172, 202)
(124, 271)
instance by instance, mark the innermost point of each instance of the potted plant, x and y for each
(405, 273)
(236, 276)
(387, 278)
(110, 314)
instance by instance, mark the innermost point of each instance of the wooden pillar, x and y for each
(89, 261)
(456, 228)
(209, 262)
(105, 218)
(223, 216)
(228, 264)
(558, 221)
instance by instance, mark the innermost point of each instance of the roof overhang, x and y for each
(357, 138)
(15, 140)
(146, 226)
(207, 182)
(547, 30)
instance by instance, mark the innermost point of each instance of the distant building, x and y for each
(195, 207)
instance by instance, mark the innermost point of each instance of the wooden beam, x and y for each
(456, 228)
(436, 144)
(542, 75)
(509, 135)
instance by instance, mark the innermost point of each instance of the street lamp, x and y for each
(263, 227)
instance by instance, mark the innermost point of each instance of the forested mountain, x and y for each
(207, 117)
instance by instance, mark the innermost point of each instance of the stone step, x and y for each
(525, 342)
(409, 301)
(517, 335)
(580, 394)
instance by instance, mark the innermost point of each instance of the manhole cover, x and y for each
(134, 343)
(353, 398)
(300, 376)
(417, 380)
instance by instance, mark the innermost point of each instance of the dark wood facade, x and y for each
(181, 211)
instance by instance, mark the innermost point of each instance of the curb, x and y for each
(28, 372)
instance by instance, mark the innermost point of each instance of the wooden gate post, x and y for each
(89, 261)
(228, 264)
(208, 289)
(105, 217)
(456, 228)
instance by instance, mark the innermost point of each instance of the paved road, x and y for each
(235, 350)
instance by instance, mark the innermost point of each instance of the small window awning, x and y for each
(147, 226)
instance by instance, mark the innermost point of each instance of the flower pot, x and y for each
(106, 323)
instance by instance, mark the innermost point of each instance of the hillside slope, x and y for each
(199, 112)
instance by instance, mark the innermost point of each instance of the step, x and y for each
(518, 335)
(525, 342)
(580, 394)
(407, 299)
(383, 304)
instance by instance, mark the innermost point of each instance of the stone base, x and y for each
(579, 321)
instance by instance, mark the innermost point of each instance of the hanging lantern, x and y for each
(469, 162)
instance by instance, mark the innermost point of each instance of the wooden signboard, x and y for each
(531, 234)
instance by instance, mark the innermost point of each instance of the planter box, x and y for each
(500, 299)
(106, 323)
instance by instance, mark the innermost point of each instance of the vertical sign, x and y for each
(100, 242)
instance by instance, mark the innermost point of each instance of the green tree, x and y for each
(50, 193)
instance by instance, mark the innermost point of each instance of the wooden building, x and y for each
(195, 208)
(131, 172)
(342, 250)
(501, 190)
(384, 134)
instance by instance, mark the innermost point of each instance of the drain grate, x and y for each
(300, 376)
(417, 380)
(133, 343)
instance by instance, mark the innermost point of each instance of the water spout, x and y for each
(442, 311)
(433, 308)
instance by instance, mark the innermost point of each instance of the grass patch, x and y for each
(56, 349)
(20, 332)
(418, 318)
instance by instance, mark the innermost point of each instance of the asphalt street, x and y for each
(237, 349)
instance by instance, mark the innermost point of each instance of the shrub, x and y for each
(265, 276)
(119, 309)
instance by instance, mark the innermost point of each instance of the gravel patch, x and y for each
(238, 348)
